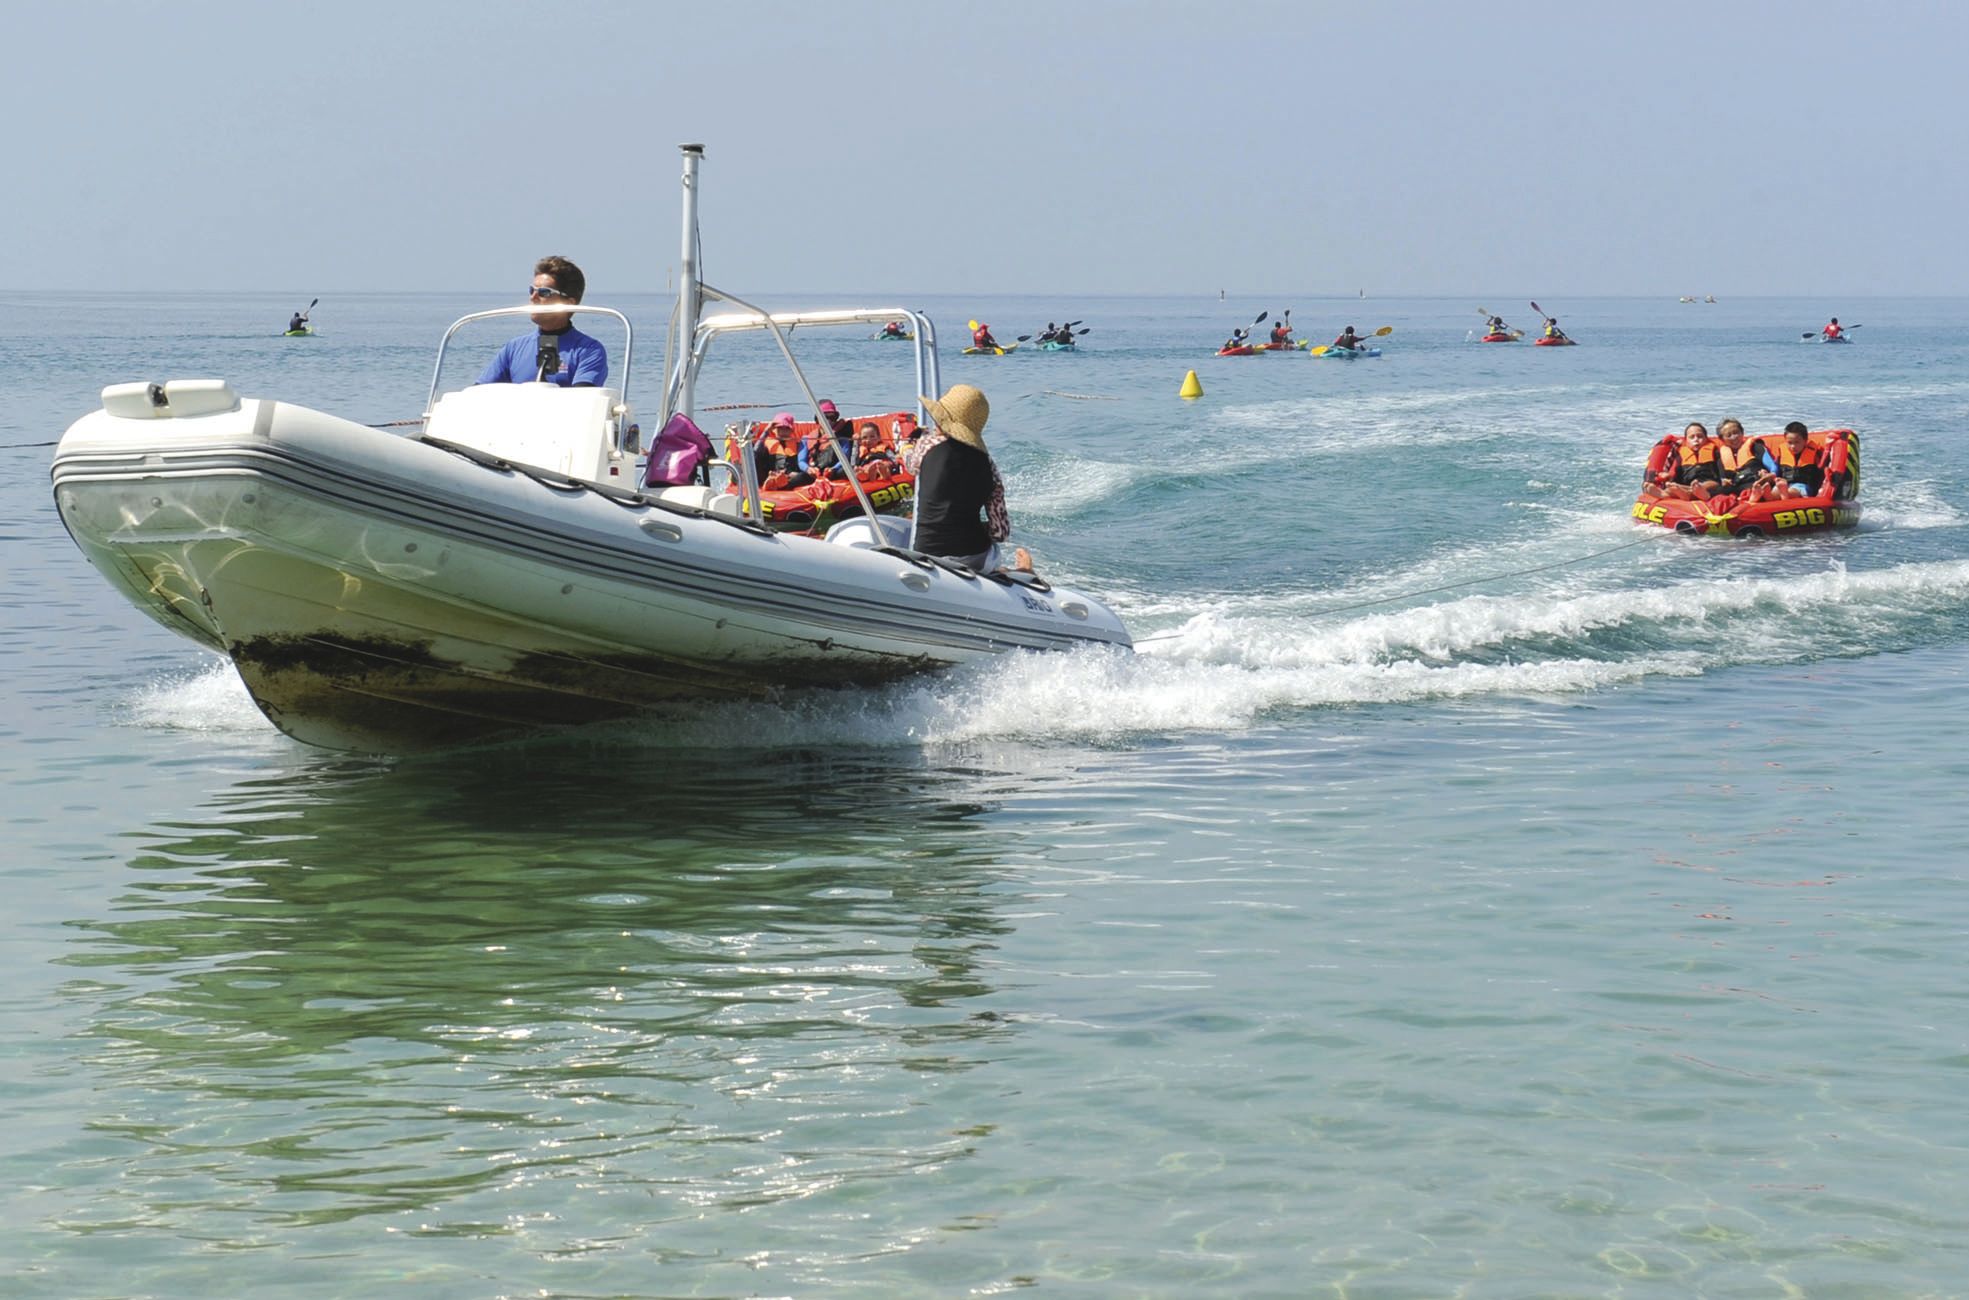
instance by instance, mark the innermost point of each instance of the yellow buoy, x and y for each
(1190, 388)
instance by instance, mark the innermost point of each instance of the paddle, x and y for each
(1815, 333)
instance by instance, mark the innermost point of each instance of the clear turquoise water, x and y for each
(1583, 917)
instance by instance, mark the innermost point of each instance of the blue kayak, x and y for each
(1351, 354)
(1056, 347)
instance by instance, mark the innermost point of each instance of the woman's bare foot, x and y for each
(1021, 560)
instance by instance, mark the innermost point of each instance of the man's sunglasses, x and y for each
(537, 291)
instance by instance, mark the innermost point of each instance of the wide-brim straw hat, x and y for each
(961, 414)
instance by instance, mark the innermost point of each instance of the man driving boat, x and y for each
(555, 352)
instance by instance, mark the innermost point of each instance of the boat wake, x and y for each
(1230, 667)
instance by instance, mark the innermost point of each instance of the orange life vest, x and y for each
(1732, 460)
(1691, 457)
(1781, 453)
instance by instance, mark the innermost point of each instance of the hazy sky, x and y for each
(1402, 146)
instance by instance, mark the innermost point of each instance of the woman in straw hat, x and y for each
(960, 500)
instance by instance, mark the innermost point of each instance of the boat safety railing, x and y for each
(620, 426)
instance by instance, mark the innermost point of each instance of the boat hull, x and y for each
(382, 593)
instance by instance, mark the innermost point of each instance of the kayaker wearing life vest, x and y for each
(1832, 330)
(1349, 340)
(299, 323)
(981, 337)
(1496, 325)
(895, 329)
(1239, 338)
(1552, 330)
(1282, 332)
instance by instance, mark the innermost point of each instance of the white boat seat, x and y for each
(568, 430)
(173, 399)
(698, 497)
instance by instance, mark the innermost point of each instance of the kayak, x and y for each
(1351, 354)
(1836, 506)
(1551, 343)
(298, 334)
(992, 352)
(1246, 351)
(892, 338)
(1056, 347)
(1512, 337)
(1820, 338)
(1278, 347)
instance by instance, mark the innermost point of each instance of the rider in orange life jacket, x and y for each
(776, 457)
(981, 337)
(1282, 332)
(1695, 473)
(1739, 460)
(1832, 329)
(1793, 467)
(1349, 340)
(834, 445)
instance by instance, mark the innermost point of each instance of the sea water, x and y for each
(1461, 891)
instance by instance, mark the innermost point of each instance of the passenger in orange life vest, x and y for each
(1795, 468)
(1694, 475)
(776, 457)
(1739, 460)
(981, 337)
(1282, 332)
(1832, 329)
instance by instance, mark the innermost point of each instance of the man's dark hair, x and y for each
(567, 276)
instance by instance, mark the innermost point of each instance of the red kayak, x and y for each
(1278, 347)
(1245, 351)
(1836, 506)
(1500, 338)
(1548, 343)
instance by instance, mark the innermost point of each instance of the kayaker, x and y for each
(981, 337)
(555, 352)
(1552, 330)
(1349, 340)
(776, 456)
(1496, 325)
(1832, 330)
(960, 499)
(1282, 332)
(1237, 339)
(299, 323)
(1052, 334)
(895, 329)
